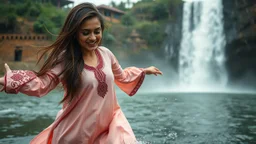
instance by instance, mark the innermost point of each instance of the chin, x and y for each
(91, 48)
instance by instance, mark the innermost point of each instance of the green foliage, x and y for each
(34, 11)
(113, 4)
(38, 27)
(44, 25)
(145, 1)
(58, 19)
(11, 19)
(47, 18)
(115, 37)
(122, 6)
(108, 39)
(128, 19)
(151, 32)
(155, 10)
(8, 15)
(50, 20)
(143, 11)
(159, 11)
(6, 9)
(149, 18)
(22, 9)
(17, 1)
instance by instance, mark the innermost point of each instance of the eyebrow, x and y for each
(90, 29)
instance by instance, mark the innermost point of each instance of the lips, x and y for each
(92, 45)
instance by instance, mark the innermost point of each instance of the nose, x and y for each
(92, 37)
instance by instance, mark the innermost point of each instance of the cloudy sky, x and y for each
(98, 2)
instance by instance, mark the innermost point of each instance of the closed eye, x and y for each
(97, 32)
(85, 33)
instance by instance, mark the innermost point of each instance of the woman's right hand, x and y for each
(7, 69)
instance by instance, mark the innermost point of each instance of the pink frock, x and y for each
(94, 117)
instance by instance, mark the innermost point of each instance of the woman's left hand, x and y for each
(152, 70)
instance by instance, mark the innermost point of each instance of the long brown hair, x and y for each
(66, 49)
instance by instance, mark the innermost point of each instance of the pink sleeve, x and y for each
(130, 79)
(27, 82)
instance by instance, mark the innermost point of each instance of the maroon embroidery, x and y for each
(18, 79)
(100, 62)
(138, 84)
(102, 88)
(15, 84)
(30, 73)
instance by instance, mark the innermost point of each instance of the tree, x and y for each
(128, 2)
(151, 32)
(128, 20)
(121, 6)
(113, 4)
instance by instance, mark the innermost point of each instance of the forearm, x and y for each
(146, 71)
(1, 80)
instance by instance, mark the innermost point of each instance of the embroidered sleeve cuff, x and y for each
(16, 79)
(136, 88)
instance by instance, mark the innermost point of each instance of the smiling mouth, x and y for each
(94, 44)
(91, 43)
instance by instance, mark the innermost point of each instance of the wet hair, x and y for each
(67, 51)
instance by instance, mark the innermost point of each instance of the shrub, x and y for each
(38, 27)
(22, 9)
(108, 38)
(34, 11)
(11, 20)
(153, 33)
(128, 19)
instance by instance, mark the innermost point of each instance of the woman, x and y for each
(87, 71)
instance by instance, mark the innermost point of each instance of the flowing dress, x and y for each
(94, 116)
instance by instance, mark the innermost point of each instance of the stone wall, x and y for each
(30, 45)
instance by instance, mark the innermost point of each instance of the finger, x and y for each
(156, 73)
(7, 68)
(159, 72)
(157, 69)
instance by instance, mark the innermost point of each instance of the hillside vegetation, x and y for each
(147, 17)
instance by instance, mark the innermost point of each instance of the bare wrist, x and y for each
(145, 70)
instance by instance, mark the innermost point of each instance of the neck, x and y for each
(87, 53)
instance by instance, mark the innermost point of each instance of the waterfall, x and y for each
(201, 55)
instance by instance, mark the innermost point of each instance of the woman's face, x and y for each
(90, 34)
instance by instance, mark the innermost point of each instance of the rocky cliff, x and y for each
(173, 34)
(240, 31)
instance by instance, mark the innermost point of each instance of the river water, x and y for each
(156, 118)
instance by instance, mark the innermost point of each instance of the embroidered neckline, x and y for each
(100, 62)
(102, 88)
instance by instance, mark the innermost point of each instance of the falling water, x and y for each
(201, 63)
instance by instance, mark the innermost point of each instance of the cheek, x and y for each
(99, 37)
(82, 38)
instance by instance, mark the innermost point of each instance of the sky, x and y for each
(99, 2)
